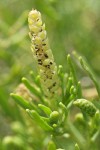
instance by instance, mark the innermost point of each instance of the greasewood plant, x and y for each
(53, 94)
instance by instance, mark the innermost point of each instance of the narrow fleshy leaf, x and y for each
(73, 90)
(46, 109)
(21, 101)
(68, 86)
(95, 136)
(36, 117)
(79, 90)
(35, 78)
(31, 88)
(63, 107)
(90, 73)
(77, 147)
(51, 146)
(72, 69)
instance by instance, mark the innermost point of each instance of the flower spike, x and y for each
(43, 54)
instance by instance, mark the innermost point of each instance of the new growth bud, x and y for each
(42, 53)
(54, 116)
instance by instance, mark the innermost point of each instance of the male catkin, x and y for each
(43, 54)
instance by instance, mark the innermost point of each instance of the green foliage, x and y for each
(30, 120)
(51, 146)
(76, 147)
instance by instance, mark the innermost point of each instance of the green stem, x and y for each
(77, 135)
(90, 73)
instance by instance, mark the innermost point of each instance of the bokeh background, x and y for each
(71, 25)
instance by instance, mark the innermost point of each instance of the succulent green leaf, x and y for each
(31, 88)
(60, 71)
(46, 119)
(79, 90)
(86, 67)
(63, 107)
(68, 86)
(36, 79)
(21, 101)
(95, 136)
(46, 109)
(51, 146)
(77, 147)
(36, 117)
(73, 90)
(72, 69)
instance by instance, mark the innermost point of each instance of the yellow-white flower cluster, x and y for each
(43, 54)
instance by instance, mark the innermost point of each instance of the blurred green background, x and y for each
(71, 25)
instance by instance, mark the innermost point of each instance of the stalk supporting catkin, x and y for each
(43, 54)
